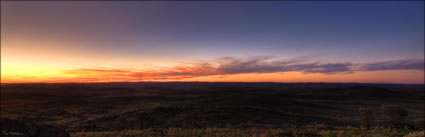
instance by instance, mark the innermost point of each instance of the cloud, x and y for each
(408, 64)
(259, 64)
(267, 65)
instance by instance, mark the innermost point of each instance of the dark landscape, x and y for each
(213, 109)
(212, 68)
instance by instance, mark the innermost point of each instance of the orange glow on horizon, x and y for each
(116, 75)
(23, 66)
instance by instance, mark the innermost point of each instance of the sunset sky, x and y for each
(273, 41)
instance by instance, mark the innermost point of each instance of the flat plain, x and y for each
(214, 109)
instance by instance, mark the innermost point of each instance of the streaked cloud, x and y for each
(233, 65)
(407, 64)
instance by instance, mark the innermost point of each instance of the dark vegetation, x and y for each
(14, 128)
(366, 117)
(396, 114)
(222, 109)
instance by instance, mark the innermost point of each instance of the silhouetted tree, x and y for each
(366, 117)
(396, 114)
(420, 124)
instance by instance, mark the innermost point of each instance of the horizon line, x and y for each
(2, 83)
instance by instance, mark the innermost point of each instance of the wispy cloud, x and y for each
(407, 64)
(259, 64)
(262, 64)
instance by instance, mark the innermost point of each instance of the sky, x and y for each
(234, 41)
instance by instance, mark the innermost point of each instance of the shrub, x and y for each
(396, 114)
(366, 117)
(420, 124)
